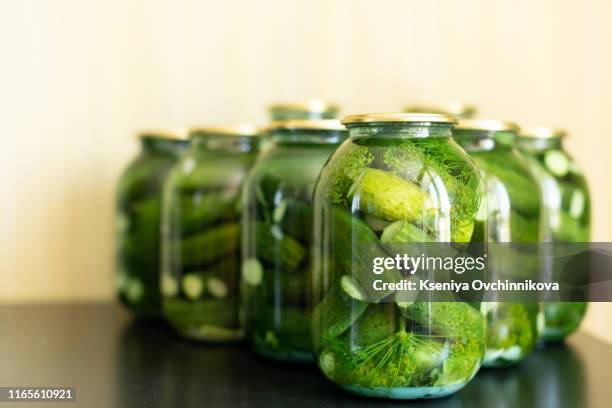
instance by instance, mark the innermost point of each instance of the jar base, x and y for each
(405, 393)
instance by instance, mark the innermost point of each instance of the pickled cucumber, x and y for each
(357, 260)
(336, 312)
(210, 245)
(387, 196)
(277, 248)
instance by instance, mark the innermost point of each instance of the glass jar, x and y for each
(313, 109)
(566, 213)
(458, 109)
(513, 212)
(398, 178)
(277, 233)
(138, 220)
(201, 233)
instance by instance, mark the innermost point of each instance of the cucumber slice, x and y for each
(169, 286)
(577, 204)
(279, 211)
(557, 163)
(121, 280)
(351, 287)
(134, 290)
(403, 232)
(252, 272)
(193, 286)
(217, 288)
(376, 223)
(327, 362)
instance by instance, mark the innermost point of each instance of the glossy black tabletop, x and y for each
(114, 361)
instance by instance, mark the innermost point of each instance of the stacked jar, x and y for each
(201, 233)
(138, 220)
(513, 213)
(313, 109)
(277, 233)
(566, 213)
(398, 178)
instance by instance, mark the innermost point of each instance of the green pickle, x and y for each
(277, 236)
(201, 233)
(566, 213)
(385, 185)
(513, 211)
(139, 198)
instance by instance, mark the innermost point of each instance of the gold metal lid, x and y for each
(239, 130)
(452, 108)
(489, 125)
(307, 124)
(399, 117)
(542, 132)
(170, 134)
(313, 105)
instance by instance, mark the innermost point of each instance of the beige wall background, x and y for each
(78, 77)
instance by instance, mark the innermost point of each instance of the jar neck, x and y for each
(224, 143)
(533, 144)
(400, 130)
(171, 147)
(308, 136)
(484, 140)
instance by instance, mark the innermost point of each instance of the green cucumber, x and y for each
(296, 219)
(378, 322)
(252, 272)
(403, 232)
(193, 286)
(356, 247)
(387, 196)
(522, 190)
(557, 163)
(210, 245)
(277, 248)
(336, 313)
(452, 319)
(207, 209)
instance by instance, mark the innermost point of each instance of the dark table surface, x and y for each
(115, 361)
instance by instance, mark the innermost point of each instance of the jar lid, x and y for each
(313, 105)
(489, 125)
(399, 117)
(238, 130)
(169, 134)
(542, 132)
(307, 124)
(452, 108)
